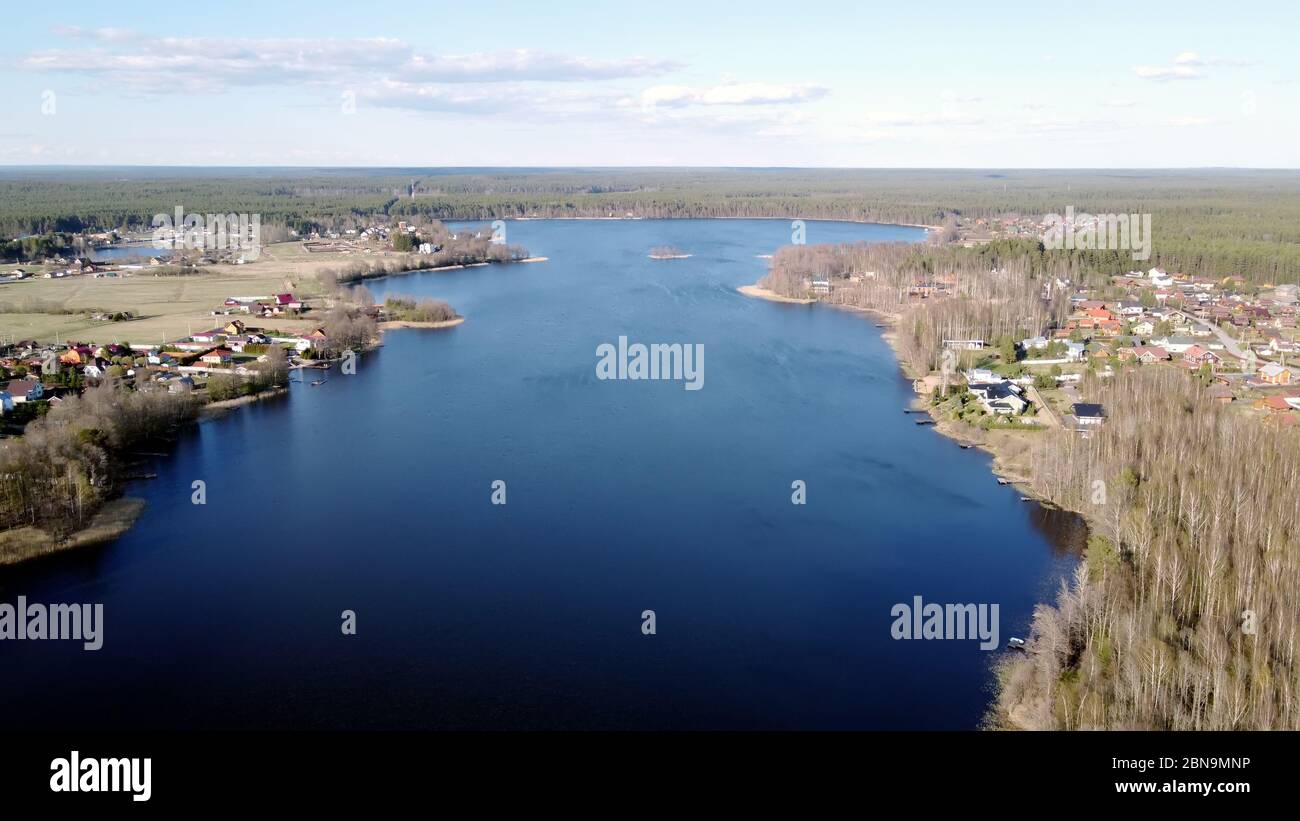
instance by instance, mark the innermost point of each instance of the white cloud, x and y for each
(1191, 58)
(1180, 72)
(673, 96)
(1188, 65)
(183, 63)
(909, 120)
(526, 64)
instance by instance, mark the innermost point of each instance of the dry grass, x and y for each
(167, 307)
(111, 521)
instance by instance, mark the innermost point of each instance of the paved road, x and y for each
(1229, 344)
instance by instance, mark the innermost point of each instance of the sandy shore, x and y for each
(111, 521)
(217, 408)
(397, 324)
(771, 296)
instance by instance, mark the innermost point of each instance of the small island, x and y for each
(668, 252)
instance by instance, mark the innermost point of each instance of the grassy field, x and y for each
(165, 307)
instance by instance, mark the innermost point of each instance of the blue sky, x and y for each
(667, 83)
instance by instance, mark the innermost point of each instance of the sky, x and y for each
(701, 83)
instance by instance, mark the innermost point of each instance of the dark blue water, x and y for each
(372, 493)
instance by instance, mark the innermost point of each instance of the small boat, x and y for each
(1026, 498)
(965, 447)
(316, 382)
(1002, 481)
(1014, 643)
(925, 421)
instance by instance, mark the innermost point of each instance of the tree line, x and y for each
(1184, 615)
(1209, 222)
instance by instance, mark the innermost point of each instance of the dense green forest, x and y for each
(1212, 221)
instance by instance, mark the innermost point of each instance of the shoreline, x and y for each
(771, 296)
(223, 406)
(1005, 464)
(362, 280)
(399, 324)
(928, 228)
(1008, 464)
(112, 520)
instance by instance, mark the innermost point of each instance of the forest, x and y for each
(996, 289)
(1212, 221)
(1183, 617)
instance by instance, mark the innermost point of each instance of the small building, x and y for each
(1275, 374)
(1197, 356)
(1088, 413)
(25, 390)
(217, 356)
(1220, 393)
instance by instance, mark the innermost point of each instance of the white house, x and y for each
(1160, 279)
(1002, 398)
(1176, 344)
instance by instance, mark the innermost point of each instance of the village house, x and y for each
(1198, 356)
(1220, 393)
(1275, 404)
(25, 390)
(309, 340)
(1145, 354)
(997, 395)
(1088, 414)
(1176, 344)
(217, 356)
(214, 335)
(1274, 374)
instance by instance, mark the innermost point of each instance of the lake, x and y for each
(372, 493)
(127, 252)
